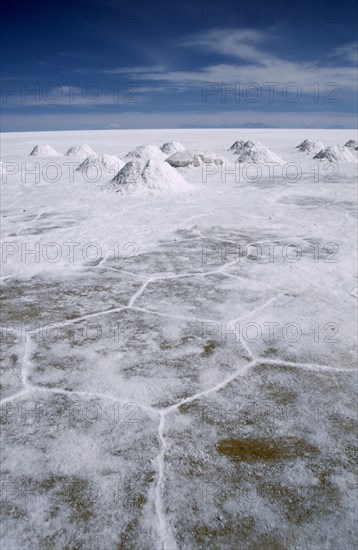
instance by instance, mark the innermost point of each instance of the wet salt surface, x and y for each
(142, 407)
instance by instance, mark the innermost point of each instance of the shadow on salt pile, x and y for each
(142, 178)
(44, 151)
(146, 152)
(92, 167)
(309, 146)
(80, 151)
(352, 144)
(254, 152)
(336, 153)
(172, 147)
(237, 145)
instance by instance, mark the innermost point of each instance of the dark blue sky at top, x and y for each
(148, 62)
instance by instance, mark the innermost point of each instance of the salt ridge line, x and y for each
(171, 316)
(79, 319)
(140, 291)
(259, 361)
(259, 308)
(165, 535)
(121, 271)
(166, 538)
(26, 363)
(167, 541)
(135, 308)
(219, 270)
(91, 395)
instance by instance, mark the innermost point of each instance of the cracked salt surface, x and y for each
(123, 425)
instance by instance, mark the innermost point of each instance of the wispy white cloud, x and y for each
(347, 53)
(304, 74)
(250, 61)
(244, 44)
(246, 59)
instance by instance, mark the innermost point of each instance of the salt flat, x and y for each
(179, 368)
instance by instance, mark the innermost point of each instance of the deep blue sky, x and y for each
(157, 63)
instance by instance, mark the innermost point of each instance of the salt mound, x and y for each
(94, 166)
(172, 147)
(153, 176)
(146, 152)
(237, 146)
(129, 176)
(194, 158)
(80, 151)
(255, 152)
(352, 144)
(108, 161)
(308, 146)
(336, 153)
(159, 175)
(44, 151)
